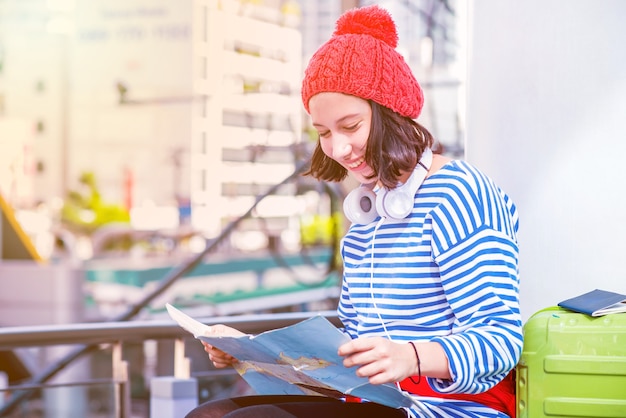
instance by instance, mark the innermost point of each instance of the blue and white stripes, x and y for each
(447, 273)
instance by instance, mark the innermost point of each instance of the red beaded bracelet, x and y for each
(419, 365)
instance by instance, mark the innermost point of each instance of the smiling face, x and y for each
(343, 123)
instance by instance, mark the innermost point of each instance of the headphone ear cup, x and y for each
(360, 206)
(395, 204)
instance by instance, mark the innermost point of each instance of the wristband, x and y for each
(419, 365)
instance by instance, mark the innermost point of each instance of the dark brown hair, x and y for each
(395, 145)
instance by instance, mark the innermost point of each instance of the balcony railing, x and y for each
(89, 339)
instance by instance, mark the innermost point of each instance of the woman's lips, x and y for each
(357, 164)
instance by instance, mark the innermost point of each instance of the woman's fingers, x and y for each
(219, 358)
(378, 359)
(361, 351)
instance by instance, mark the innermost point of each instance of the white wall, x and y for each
(546, 118)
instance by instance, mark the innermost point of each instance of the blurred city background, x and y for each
(173, 116)
(151, 151)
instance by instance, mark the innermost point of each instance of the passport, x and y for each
(596, 303)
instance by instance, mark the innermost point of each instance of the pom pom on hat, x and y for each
(360, 59)
(372, 21)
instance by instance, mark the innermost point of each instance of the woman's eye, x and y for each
(324, 134)
(352, 127)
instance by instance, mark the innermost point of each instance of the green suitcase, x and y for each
(572, 365)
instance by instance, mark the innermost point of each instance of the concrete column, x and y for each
(4, 383)
(172, 397)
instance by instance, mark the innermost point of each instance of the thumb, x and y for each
(221, 330)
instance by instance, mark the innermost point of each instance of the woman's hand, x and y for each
(379, 359)
(219, 358)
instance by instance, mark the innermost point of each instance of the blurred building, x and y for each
(185, 111)
(192, 105)
(318, 23)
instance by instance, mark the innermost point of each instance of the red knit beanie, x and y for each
(360, 59)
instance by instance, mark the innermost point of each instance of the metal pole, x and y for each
(120, 376)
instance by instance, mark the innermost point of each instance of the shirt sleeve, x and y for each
(477, 254)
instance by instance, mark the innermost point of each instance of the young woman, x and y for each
(430, 287)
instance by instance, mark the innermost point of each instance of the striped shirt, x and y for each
(447, 273)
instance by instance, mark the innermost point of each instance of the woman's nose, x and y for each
(341, 148)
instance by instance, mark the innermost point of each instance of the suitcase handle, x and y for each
(522, 390)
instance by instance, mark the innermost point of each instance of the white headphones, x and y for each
(363, 205)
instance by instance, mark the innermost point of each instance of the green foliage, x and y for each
(320, 230)
(84, 211)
